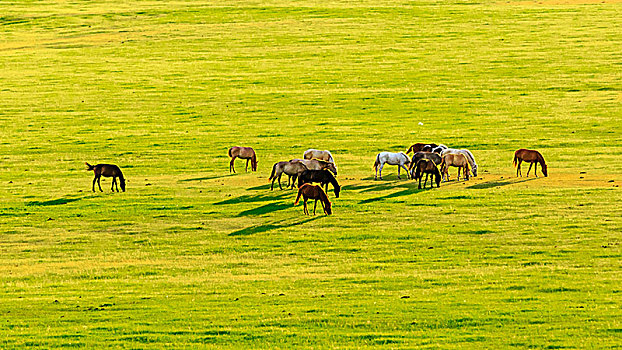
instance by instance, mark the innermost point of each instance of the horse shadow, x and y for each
(274, 225)
(206, 178)
(266, 208)
(497, 183)
(254, 198)
(59, 201)
(407, 188)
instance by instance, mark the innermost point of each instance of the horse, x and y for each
(421, 155)
(292, 169)
(416, 147)
(324, 177)
(398, 159)
(317, 154)
(243, 153)
(467, 153)
(532, 157)
(314, 192)
(315, 164)
(438, 149)
(107, 170)
(455, 159)
(427, 167)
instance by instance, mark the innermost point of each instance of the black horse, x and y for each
(107, 170)
(324, 177)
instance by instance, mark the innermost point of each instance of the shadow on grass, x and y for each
(256, 198)
(271, 226)
(267, 208)
(59, 201)
(206, 178)
(497, 183)
(407, 188)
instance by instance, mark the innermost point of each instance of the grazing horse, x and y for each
(467, 154)
(317, 154)
(532, 157)
(421, 155)
(314, 192)
(315, 164)
(292, 169)
(324, 177)
(458, 160)
(107, 170)
(243, 153)
(416, 147)
(427, 167)
(400, 159)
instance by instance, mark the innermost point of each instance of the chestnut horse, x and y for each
(107, 170)
(243, 153)
(458, 160)
(427, 167)
(314, 192)
(532, 157)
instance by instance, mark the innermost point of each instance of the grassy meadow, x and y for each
(194, 257)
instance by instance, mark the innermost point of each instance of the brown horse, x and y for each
(532, 157)
(317, 164)
(418, 147)
(314, 192)
(243, 153)
(458, 160)
(427, 167)
(107, 170)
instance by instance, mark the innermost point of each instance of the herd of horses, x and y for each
(318, 166)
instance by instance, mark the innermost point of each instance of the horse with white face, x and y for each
(467, 154)
(400, 159)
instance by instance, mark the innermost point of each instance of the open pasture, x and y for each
(192, 256)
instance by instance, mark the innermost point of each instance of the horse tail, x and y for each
(377, 162)
(273, 171)
(515, 158)
(230, 150)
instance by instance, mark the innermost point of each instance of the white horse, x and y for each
(317, 154)
(467, 154)
(400, 159)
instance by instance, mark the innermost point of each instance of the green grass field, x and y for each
(192, 256)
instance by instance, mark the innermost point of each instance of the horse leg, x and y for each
(535, 169)
(314, 206)
(99, 183)
(306, 210)
(528, 170)
(380, 170)
(405, 169)
(231, 165)
(247, 165)
(518, 168)
(398, 172)
(94, 179)
(281, 174)
(114, 181)
(420, 177)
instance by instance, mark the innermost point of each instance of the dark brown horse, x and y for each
(324, 177)
(314, 192)
(243, 153)
(532, 157)
(427, 167)
(420, 155)
(107, 170)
